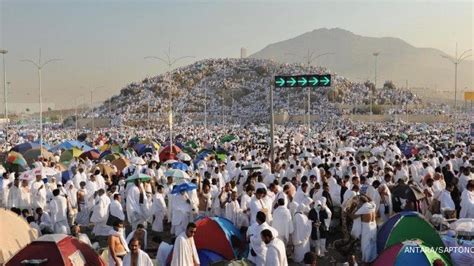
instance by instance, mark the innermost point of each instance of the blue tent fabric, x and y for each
(386, 229)
(231, 231)
(25, 146)
(69, 144)
(44, 144)
(407, 257)
(207, 257)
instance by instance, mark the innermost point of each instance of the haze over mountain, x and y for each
(398, 60)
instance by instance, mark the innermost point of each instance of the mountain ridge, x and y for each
(398, 60)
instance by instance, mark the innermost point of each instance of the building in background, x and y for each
(243, 52)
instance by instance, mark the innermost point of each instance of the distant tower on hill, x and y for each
(243, 52)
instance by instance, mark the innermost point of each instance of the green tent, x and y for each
(406, 226)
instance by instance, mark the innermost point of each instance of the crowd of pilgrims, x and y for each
(286, 209)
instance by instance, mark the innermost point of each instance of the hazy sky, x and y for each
(103, 42)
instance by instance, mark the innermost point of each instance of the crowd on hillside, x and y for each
(239, 88)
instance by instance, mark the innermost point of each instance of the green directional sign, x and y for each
(280, 82)
(291, 81)
(313, 81)
(303, 81)
(326, 80)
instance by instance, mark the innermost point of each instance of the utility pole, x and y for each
(4, 52)
(456, 61)
(39, 66)
(376, 54)
(169, 61)
(205, 109)
(310, 58)
(272, 127)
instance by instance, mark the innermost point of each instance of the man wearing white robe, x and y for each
(90, 188)
(100, 214)
(79, 177)
(71, 193)
(467, 201)
(185, 252)
(180, 213)
(245, 205)
(446, 202)
(159, 210)
(116, 208)
(282, 221)
(233, 211)
(44, 221)
(136, 204)
(136, 256)
(301, 234)
(25, 195)
(276, 252)
(258, 250)
(163, 251)
(99, 179)
(38, 193)
(260, 203)
(368, 230)
(58, 210)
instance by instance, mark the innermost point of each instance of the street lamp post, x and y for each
(169, 61)
(310, 58)
(456, 60)
(4, 52)
(376, 54)
(39, 66)
(205, 109)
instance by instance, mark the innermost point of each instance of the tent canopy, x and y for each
(219, 235)
(16, 233)
(58, 249)
(405, 226)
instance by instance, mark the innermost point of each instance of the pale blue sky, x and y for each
(103, 42)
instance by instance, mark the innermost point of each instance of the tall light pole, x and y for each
(169, 61)
(376, 54)
(310, 57)
(39, 66)
(456, 60)
(205, 109)
(4, 52)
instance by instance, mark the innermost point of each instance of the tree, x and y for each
(27, 110)
(49, 109)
